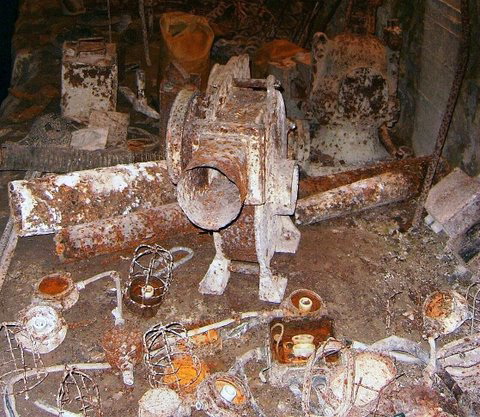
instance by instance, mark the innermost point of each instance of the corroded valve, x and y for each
(227, 153)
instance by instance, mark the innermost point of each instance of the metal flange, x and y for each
(179, 143)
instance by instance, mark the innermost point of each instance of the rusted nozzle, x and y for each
(209, 198)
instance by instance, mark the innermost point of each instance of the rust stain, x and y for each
(440, 306)
(53, 285)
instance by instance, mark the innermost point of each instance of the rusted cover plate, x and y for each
(45, 205)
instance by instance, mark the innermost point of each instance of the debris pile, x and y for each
(194, 144)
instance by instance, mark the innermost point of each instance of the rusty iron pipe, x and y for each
(214, 187)
(122, 232)
(386, 188)
(45, 205)
(414, 166)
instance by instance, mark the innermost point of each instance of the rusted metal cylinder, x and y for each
(386, 188)
(413, 166)
(45, 205)
(122, 232)
(187, 39)
(214, 187)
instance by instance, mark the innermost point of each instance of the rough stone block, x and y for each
(455, 202)
(90, 139)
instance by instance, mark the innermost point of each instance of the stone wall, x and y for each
(438, 56)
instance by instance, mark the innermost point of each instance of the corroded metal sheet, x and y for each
(239, 238)
(122, 232)
(45, 205)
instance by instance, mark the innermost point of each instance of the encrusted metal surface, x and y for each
(238, 241)
(284, 366)
(364, 194)
(444, 312)
(123, 349)
(46, 204)
(179, 148)
(122, 232)
(228, 152)
(212, 403)
(415, 167)
(57, 290)
(43, 329)
(174, 80)
(353, 94)
(89, 78)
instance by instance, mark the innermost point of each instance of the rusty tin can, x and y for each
(89, 78)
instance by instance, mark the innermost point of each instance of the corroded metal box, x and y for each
(89, 78)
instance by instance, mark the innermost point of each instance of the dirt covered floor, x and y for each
(356, 264)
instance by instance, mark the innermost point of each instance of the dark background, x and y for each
(8, 15)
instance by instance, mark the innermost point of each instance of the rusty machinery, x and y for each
(227, 153)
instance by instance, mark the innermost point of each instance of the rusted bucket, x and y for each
(187, 39)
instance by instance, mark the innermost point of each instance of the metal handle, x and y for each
(87, 43)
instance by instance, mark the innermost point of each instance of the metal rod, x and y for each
(118, 311)
(54, 410)
(141, 9)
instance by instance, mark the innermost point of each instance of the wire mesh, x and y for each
(169, 357)
(79, 393)
(473, 300)
(16, 359)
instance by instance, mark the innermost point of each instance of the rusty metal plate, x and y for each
(238, 240)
